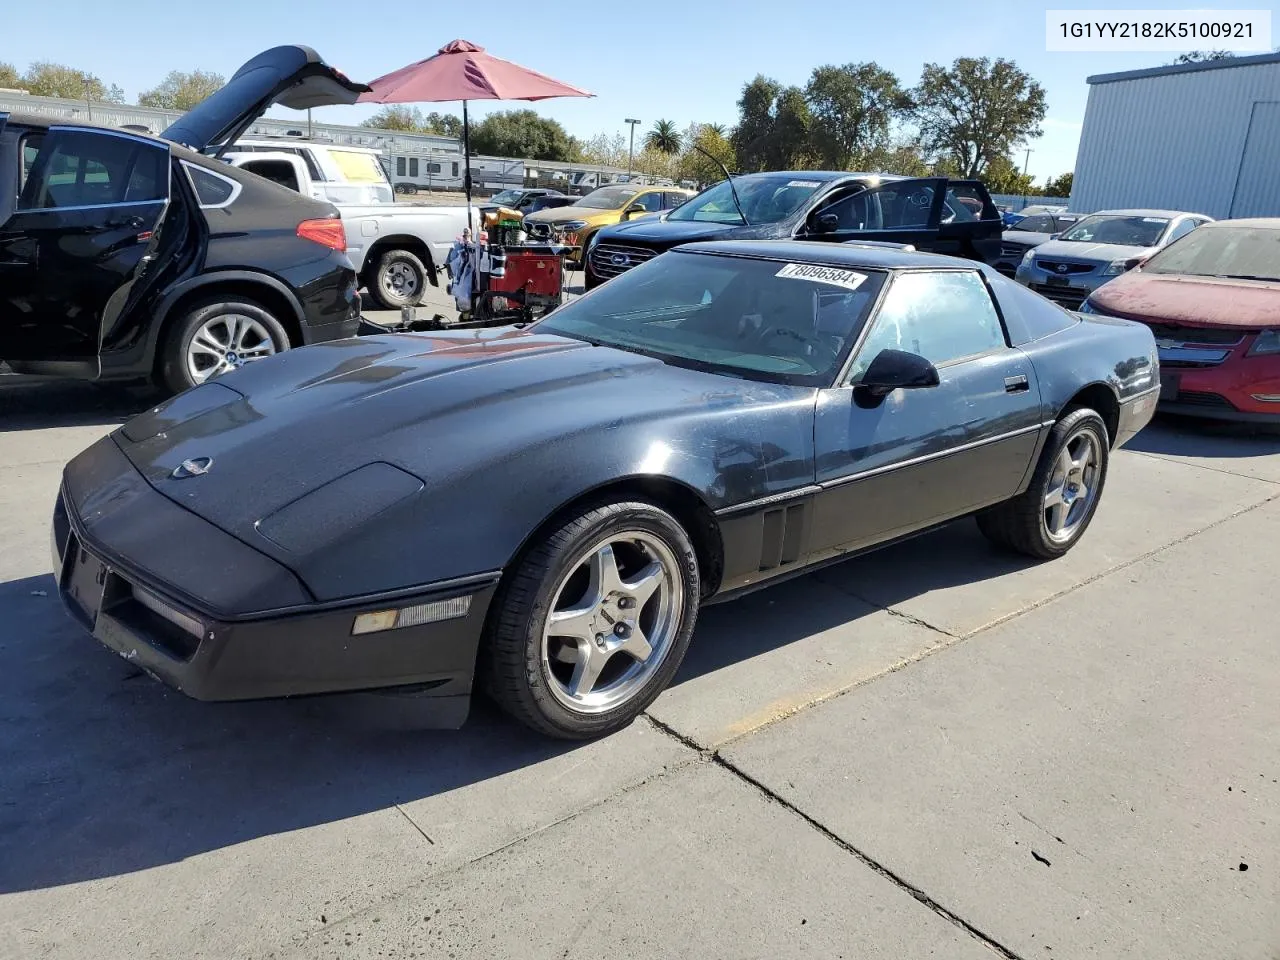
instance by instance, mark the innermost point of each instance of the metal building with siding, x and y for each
(1202, 137)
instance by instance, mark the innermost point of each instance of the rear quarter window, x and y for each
(1027, 315)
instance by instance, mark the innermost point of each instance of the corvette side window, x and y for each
(942, 316)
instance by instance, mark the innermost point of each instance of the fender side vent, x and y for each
(782, 536)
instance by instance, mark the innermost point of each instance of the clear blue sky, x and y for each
(683, 61)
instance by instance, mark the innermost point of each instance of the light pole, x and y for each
(1025, 163)
(632, 148)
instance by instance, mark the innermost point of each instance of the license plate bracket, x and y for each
(1055, 281)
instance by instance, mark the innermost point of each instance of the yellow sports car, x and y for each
(573, 225)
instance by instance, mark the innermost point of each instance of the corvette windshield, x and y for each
(1125, 231)
(773, 320)
(765, 199)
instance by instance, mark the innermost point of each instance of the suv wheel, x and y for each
(215, 337)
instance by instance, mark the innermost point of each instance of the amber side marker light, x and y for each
(375, 621)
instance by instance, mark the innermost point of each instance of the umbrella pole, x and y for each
(466, 186)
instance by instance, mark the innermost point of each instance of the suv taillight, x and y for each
(327, 232)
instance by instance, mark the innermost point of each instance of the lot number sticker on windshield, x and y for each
(815, 273)
(803, 183)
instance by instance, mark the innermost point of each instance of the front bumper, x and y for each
(1069, 290)
(294, 647)
(1212, 372)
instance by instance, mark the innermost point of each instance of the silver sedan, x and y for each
(1099, 247)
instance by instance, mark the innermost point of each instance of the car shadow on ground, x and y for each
(40, 403)
(106, 771)
(1190, 437)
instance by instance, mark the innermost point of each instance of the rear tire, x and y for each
(399, 279)
(620, 582)
(245, 330)
(1052, 514)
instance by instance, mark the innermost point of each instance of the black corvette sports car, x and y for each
(544, 510)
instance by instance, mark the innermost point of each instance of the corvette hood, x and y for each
(1190, 301)
(427, 407)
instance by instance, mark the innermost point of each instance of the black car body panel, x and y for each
(384, 467)
(943, 225)
(292, 76)
(95, 265)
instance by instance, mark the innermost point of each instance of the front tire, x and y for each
(1052, 514)
(594, 621)
(398, 280)
(215, 337)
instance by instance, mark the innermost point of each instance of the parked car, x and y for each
(397, 249)
(1099, 247)
(523, 199)
(1213, 302)
(395, 511)
(929, 213)
(339, 174)
(1027, 233)
(126, 256)
(577, 223)
(548, 202)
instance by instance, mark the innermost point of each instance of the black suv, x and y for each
(936, 214)
(125, 256)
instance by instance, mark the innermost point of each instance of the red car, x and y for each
(1212, 299)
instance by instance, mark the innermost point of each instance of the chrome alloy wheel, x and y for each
(1073, 487)
(225, 343)
(613, 619)
(400, 281)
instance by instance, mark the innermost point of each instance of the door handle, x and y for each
(1016, 384)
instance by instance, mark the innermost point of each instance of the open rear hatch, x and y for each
(292, 76)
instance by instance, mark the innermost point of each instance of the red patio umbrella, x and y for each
(463, 71)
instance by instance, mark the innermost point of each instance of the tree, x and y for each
(755, 122)
(46, 79)
(901, 157)
(1059, 186)
(182, 91)
(412, 120)
(791, 144)
(396, 117)
(664, 137)
(9, 76)
(522, 133)
(853, 108)
(443, 124)
(1200, 56)
(1003, 176)
(695, 166)
(977, 110)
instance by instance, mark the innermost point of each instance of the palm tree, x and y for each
(664, 137)
(717, 128)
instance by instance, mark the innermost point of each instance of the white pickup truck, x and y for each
(396, 248)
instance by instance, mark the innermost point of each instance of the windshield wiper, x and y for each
(1243, 276)
(725, 170)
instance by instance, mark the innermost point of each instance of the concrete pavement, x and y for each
(936, 750)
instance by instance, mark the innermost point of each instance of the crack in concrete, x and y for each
(871, 863)
(715, 757)
(416, 826)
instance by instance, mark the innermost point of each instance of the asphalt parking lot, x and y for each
(936, 750)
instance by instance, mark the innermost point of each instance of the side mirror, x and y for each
(632, 210)
(896, 369)
(826, 223)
